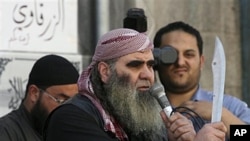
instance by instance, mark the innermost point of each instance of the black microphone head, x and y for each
(158, 92)
(136, 19)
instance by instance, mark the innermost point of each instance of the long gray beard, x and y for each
(137, 111)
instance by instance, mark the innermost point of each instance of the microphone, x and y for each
(166, 55)
(158, 92)
(136, 19)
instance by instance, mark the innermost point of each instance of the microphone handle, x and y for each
(168, 111)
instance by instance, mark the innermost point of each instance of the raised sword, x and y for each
(219, 71)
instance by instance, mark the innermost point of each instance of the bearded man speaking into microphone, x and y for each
(114, 101)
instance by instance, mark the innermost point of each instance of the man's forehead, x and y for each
(139, 55)
(183, 43)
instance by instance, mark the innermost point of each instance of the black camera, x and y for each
(136, 20)
(165, 55)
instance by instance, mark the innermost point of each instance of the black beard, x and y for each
(39, 115)
(137, 112)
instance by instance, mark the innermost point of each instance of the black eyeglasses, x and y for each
(59, 101)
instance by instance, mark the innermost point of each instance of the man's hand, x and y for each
(204, 109)
(179, 128)
(212, 132)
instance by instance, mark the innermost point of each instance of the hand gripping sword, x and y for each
(219, 70)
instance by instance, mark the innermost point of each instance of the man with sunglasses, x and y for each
(52, 80)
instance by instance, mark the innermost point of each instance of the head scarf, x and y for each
(114, 44)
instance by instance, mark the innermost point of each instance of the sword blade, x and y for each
(219, 70)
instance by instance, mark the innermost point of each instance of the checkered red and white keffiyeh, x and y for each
(114, 44)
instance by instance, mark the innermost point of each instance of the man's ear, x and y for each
(33, 93)
(202, 61)
(104, 71)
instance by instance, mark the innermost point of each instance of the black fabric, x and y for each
(53, 70)
(16, 126)
(69, 122)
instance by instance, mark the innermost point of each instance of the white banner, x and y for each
(38, 26)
